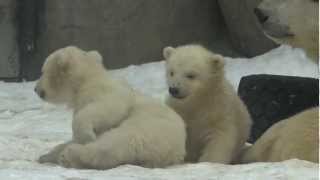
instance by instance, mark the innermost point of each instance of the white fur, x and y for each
(301, 17)
(112, 124)
(217, 121)
(295, 137)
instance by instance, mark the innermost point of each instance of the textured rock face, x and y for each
(9, 65)
(127, 32)
(245, 31)
(271, 98)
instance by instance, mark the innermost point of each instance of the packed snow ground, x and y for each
(30, 127)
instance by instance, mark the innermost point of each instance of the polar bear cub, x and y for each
(112, 124)
(294, 137)
(217, 121)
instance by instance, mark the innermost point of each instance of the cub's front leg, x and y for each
(73, 156)
(83, 129)
(96, 118)
(53, 155)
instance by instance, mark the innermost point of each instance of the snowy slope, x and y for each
(30, 127)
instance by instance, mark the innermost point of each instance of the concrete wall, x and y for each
(127, 32)
(253, 3)
(9, 64)
(244, 29)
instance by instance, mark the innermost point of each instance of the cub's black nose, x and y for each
(173, 91)
(42, 94)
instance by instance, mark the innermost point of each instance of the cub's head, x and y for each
(191, 69)
(64, 71)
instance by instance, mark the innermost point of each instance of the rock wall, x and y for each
(245, 31)
(9, 64)
(124, 32)
(127, 32)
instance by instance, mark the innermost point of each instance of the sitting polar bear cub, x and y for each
(217, 121)
(294, 137)
(112, 124)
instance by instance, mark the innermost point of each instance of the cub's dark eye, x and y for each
(171, 73)
(190, 76)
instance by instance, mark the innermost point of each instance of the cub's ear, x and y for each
(65, 58)
(96, 56)
(217, 62)
(63, 62)
(167, 52)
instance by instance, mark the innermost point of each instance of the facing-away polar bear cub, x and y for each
(295, 137)
(112, 124)
(217, 121)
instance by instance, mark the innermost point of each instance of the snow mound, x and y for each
(30, 127)
(291, 170)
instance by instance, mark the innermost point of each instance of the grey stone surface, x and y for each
(128, 32)
(253, 3)
(125, 32)
(245, 31)
(9, 64)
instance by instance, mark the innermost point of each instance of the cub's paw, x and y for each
(48, 158)
(70, 157)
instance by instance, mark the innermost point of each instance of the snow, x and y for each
(291, 170)
(29, 127)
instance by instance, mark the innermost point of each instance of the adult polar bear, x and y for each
(112, 124)
(294, 137)
(293, 22)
